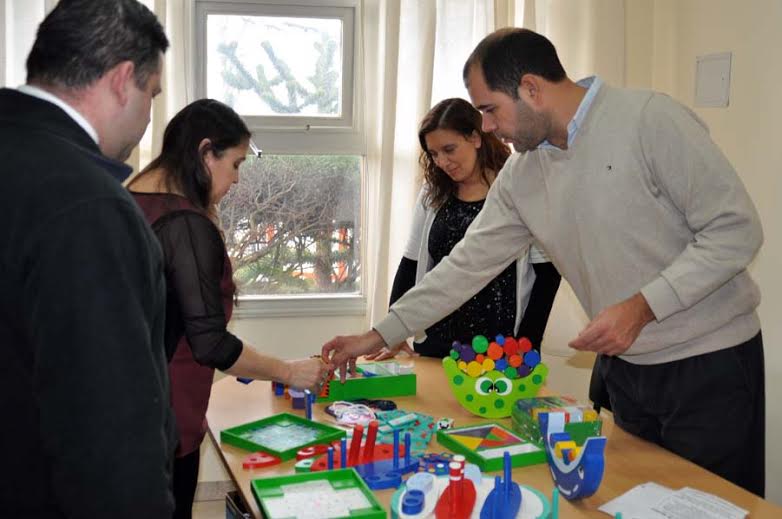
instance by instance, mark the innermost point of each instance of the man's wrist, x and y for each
(375, 340)
(646, 315)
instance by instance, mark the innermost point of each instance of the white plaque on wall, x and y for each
(712, 79)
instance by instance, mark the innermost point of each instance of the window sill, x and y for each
(300, 306)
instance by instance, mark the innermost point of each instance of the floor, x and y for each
(209, 510)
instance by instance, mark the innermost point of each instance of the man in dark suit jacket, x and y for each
(87, 426)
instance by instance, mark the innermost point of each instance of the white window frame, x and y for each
(280, 135)
(289, 135)
(3, 43)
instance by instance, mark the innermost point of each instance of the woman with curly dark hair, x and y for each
(460, 162)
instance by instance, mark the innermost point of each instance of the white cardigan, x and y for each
(417, 249)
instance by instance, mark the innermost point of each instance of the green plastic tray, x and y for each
(283, 435)
(484, 444)
(272, 491)
(378, 386)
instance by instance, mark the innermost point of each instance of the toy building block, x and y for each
(304, 465)
(309, 398)
(259, 460)
(413, 502)
(436, 464)
(355, 445)
(504, 501)
(297, 398)
(578, 476)
(312, 451)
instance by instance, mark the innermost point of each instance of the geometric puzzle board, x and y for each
(485, 445)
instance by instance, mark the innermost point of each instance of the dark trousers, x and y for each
(709, 408)
(185, 481)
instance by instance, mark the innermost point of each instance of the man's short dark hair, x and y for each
(81, 40)
(504, 56)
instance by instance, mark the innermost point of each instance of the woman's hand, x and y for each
(389, 353)
(307, 374)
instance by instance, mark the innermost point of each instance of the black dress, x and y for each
(491, 311)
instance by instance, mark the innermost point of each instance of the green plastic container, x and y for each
(484, 444)
(529, 428)
(281, 435)
(272, 494)
(384, 384)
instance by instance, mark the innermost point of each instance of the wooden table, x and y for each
(629, 460)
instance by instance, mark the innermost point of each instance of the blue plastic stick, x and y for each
(308, 404)
(498, 504)
(407, 448)
(555, 503)
(343, 454)
(396, 448)
(618, 515)
(507, 467)
(330, 458)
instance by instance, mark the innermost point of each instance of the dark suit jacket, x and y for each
(87, 429)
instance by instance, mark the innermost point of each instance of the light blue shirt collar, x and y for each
(592, 84)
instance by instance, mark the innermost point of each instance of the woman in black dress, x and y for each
(460, 162)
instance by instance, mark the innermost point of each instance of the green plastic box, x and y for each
(484, 445)
(281, 435)
(528, 427)
(276, 493)
(384, 384)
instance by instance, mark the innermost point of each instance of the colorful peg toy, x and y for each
(464, 494)
(378, 465)
(487, 377)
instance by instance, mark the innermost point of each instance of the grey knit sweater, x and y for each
(642, 201)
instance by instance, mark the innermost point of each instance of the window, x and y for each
(293, 223)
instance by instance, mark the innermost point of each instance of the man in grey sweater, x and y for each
(647, 220)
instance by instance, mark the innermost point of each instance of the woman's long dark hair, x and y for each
(459, 116)
(180, 159)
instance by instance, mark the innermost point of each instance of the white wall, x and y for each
(23, 17)
(748, 131)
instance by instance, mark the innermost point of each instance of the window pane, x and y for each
(292, 225)
(273, 65)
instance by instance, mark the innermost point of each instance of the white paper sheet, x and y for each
(653, 501)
